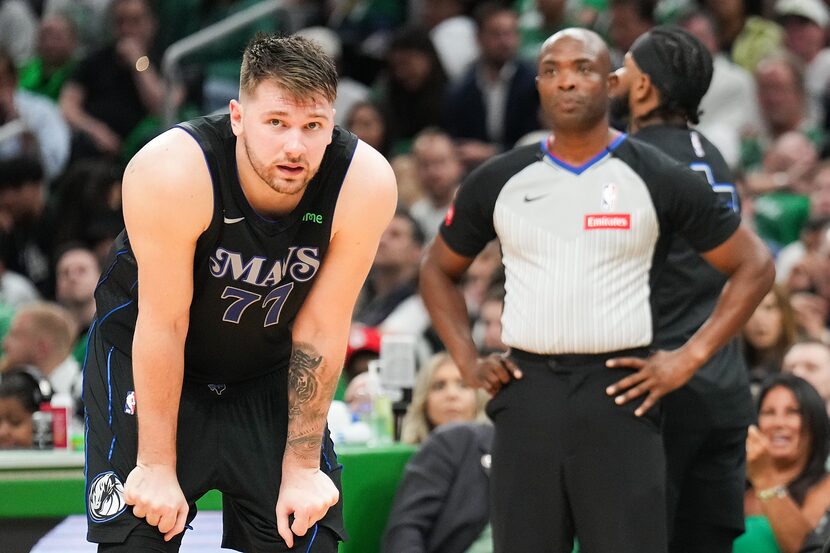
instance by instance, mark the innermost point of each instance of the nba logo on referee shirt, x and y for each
(606, 220)
(609, 197)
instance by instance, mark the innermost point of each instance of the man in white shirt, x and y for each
(439, 172)
(30, 124)
(805, 35)
(730, 106)
(42, 335)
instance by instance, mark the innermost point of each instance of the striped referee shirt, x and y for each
(583, 245)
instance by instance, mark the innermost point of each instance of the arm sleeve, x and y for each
(468, 226)
(420, 498)
(687, 205)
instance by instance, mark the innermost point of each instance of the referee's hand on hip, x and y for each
(492, 372)
(657, 375)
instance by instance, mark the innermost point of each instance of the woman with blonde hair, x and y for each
(440, 396)
(441, 505)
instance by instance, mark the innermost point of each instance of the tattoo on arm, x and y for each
(308, 401)
(302, 380)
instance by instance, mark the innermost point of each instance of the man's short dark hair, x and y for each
(66, 247)
(643, 8)
(16, 172)
(295, 63)
(149, 5)
(485, 11)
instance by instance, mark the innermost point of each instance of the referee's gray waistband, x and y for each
(577, 358)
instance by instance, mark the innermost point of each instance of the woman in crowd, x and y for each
(442, 504)
(366, 121)
(21, 392)
(768, 334)
(412, 92)
(440, 396)
(789, 489)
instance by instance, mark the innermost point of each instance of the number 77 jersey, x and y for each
(250, 274)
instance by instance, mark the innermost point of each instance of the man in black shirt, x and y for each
(665, 75)
(115, 88)
(28, 241)
(584, 220)
(223, 316)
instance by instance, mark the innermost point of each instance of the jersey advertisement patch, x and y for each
(608, 221)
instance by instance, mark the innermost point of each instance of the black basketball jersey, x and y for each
(250, 275)
(686, 292)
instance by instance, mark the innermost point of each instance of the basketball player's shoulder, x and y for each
(172, 156)
(171, 170)
(369, 189)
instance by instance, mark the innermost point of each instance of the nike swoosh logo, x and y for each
(534, 198)
(232, 221)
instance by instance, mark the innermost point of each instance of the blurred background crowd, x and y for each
(437, 86)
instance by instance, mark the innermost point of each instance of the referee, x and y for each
(585, 220)
(665, 75)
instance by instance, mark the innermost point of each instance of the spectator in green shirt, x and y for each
(55, 60)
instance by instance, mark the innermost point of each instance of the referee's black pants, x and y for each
(567, 461)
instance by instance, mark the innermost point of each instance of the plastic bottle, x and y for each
(61, 407)
(381, 420)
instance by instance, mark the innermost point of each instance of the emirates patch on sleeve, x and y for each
(450, 214)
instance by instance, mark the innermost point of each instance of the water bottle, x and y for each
(381, 420)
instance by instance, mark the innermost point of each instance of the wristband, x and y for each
(778, 492)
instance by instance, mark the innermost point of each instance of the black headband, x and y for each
(653, 59)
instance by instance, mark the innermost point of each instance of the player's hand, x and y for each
(306, 493)
(155, 494)
(656, 376)
(492, 372)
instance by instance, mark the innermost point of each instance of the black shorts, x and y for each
(230, 438)
(706, 470)
(567, 461)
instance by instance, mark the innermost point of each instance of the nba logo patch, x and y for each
(129, 403)
(609, 197)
